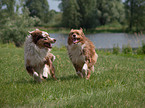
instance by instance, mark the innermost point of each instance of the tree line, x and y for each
(20, 15)
(81, 13)
(92, 13)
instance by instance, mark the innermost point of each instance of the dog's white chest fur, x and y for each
(34, 54)
(75, 52)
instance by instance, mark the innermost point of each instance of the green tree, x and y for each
(70, 16)
(135, 14)
(90, 13)
(14, 24)
(8, 6)
(78, 13)
(6, 10)
(16, 29)
(110, 11)
(38, 8)
(87, 10)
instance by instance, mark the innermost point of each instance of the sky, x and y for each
(53, 4)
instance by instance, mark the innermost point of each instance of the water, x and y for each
(105, 40)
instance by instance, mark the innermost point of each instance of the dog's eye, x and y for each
(77, 33)
(45, 38)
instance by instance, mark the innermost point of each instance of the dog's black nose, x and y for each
(74, 36)
(54, 40)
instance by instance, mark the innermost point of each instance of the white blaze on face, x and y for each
(44, 34)
(52, 38)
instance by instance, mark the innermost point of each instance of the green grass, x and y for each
(118, 81)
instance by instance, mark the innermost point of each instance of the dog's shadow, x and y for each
(64, 78)
(31, 81)
(22, 81)
(68, 77)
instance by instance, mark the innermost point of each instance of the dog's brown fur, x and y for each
(84, 52)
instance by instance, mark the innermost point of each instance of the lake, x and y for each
(105, 40)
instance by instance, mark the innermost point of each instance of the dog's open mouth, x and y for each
(76, 40)
(48, 45)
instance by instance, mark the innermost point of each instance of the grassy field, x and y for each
(118, 81)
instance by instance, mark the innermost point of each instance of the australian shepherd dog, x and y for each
(82, 53)
(38, 59)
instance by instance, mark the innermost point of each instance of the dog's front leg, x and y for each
(84, 69)
(89, 74)
(33, 73)
(51, 67)
(46, 71)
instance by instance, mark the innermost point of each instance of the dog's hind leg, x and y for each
(33, 73)
(79, 74)
(30, 70)
(52, 71)
(78, 70)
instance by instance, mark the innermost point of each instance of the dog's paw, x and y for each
(84, 72)
(79, 74)
(37, 77)
(53, 58)
(87, 78)
(44, 77)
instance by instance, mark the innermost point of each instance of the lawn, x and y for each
(118, 81)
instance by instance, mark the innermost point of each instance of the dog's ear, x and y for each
(30, 32)
(37, 29)
(33, 31)
(71, 29)
(81, 29)
(37, 32)
(36, 35)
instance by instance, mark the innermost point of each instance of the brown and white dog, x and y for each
(82, 53)
(38, 59)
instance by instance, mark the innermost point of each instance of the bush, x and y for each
(139, 50)
(143, 47)
(16, 28)
(126, 49)
(116, 49)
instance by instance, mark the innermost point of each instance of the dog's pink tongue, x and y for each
(74, 40)
(48, 45)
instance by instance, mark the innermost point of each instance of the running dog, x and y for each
(38, 59)
(81, 52)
